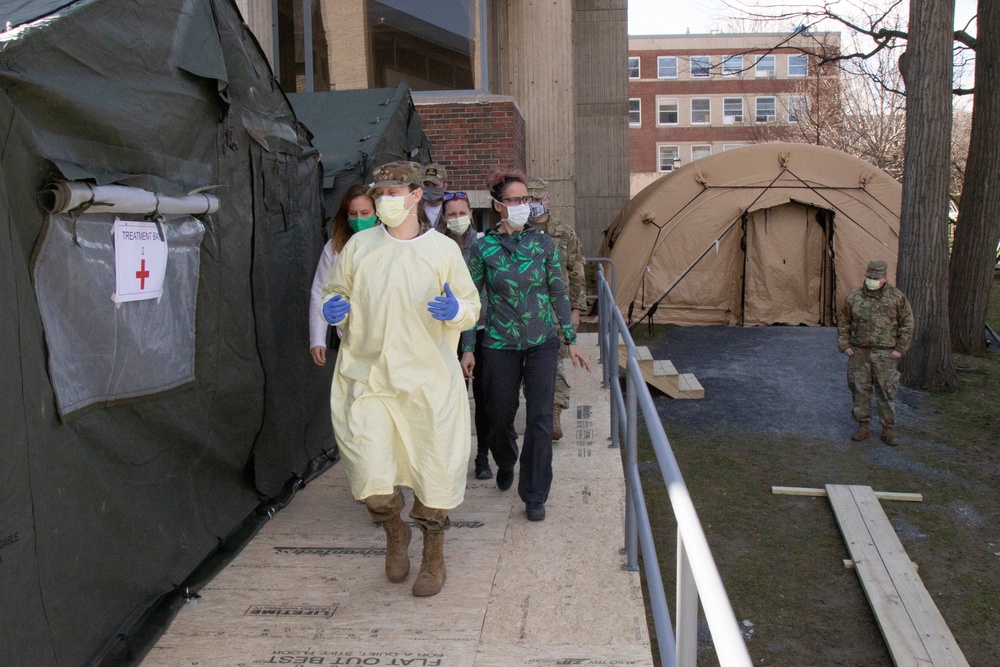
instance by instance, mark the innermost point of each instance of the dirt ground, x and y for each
(777, 413)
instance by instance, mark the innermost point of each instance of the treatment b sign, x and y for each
(140, 261)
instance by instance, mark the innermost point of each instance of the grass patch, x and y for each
(781, 556)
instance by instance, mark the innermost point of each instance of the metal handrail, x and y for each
(697, 574)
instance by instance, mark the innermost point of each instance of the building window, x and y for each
(635, 112)
(700, 67)
(766, 110)
(798, 65)
(729, 147)
(668, 158)
(633, 67)
(701, 110)
(666, 67)
(764, 66)
(377, 44)
(698, 152)
(732, 65)
(666, 111)
(798, 109)
(732, 110)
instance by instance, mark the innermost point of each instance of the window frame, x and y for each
(726, 114)
(659, 111)
(638, 68)
(694, 146)
(774, 107)
(677, 67)
(804, 108)
(757, 70)
(638, 111)
(729, 147)
(709, 110)
(708, 68)
(805, 65)
(659, 162)
(725, 62)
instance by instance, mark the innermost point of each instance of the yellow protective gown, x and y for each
(399, 402)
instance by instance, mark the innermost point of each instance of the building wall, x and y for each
(472, 138)
(600, 39)
(720, 133)
(257, 15)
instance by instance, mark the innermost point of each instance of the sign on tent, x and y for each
(140, 261)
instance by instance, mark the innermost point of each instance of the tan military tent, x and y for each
(765, 234)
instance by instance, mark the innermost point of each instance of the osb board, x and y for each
(310, 588)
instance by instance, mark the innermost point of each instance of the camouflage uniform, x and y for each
(570, 254)
(874, 324)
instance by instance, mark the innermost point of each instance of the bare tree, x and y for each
(923, 222)
(978, 230)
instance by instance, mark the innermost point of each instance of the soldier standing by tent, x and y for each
(571, 257)
(875, 329)
(434, 181)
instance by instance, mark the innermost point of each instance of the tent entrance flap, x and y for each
(788, 276)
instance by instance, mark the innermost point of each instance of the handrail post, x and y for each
(631, 461)
(687, 608)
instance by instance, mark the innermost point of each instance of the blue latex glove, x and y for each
(445, 307)
(336, 309)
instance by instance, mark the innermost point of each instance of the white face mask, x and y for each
(391, 210)
(873, 284)
(517, 216)
(460, 224)
(433, 213)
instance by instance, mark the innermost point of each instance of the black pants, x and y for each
(503, 372)
(482, 422)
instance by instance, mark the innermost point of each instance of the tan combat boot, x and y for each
(889, 436)
(556, 424)
(432, 575)
(862, 432)
(397, 542)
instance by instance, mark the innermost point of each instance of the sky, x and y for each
(661, 17)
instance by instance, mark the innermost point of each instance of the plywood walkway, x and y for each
(914, 629)
(310, 588)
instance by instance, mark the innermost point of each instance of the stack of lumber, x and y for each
(660, 373)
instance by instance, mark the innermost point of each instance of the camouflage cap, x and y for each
(877, 268)
(396, 173)
(434, 173)
(538, 188)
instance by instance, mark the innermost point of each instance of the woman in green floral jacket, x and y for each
(527, 309)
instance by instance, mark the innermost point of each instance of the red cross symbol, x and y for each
(142, 274)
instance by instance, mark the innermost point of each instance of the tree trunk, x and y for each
(973, 256)
(922, 271)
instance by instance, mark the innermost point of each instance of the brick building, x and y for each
(694, 95)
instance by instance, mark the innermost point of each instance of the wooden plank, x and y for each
(663, 367)
(902, 638)
(935, 634)
(849, 565)
(881, 495)
(690, 387)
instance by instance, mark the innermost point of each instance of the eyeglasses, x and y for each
(448, 196)
(516, 201)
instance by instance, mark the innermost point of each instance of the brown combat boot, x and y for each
(397, 542)
(556, 424)
(862, 432)
(889, 436)
(432, 574)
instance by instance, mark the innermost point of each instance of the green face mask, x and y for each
(361, 224)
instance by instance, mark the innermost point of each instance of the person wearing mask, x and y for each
(571, 259)
(875, 330)
(402, 295)
(527, 310)
(434, 181)
(458, 220)
(356, 213)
